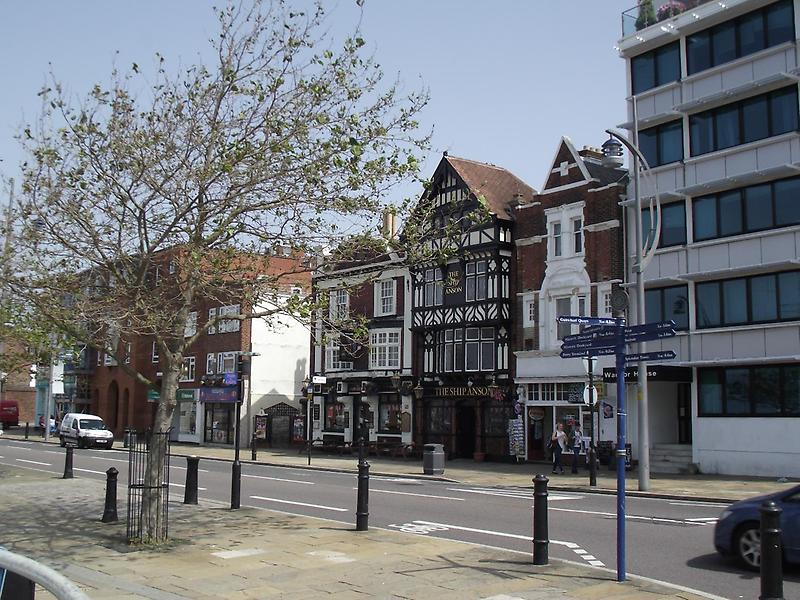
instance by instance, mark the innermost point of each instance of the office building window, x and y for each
(739, 37)
(669, 303)
(663, 144)
(753, 119)
(762, 391)
(673, 225)
(476, 281)
(655, 68)
(758, 299)
(748, 209)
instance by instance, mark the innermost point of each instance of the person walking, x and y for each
(577, 446)
(558, 442)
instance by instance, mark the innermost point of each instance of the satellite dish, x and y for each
(619, 300)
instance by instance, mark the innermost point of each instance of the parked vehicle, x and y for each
(9, 413)
(84, 431)
(737, 532)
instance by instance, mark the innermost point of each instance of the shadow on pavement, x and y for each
(715, 562)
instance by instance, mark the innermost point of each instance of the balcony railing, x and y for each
(650, 12)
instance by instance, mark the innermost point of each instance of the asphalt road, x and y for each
(667, 540)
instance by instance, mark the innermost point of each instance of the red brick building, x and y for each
(569, 256)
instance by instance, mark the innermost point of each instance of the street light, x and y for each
(396, 381)
(612, 156)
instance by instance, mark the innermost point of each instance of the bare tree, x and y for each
(289, 139)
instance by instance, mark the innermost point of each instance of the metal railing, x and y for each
(148, 495)
(650, 12)
(52, 581)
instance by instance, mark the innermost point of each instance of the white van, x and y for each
(84, 431)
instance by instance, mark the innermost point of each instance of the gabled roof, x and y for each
(501, 189)
(570, 167)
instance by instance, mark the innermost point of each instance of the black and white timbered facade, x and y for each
(462, 309)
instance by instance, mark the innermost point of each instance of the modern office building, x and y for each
(713, 104)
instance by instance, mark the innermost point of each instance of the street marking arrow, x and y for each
(647, 356)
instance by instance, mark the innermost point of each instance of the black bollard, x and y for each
(27, 427)
(362, 507)
(253, 455)
(68, 462)
(592, 467)
(190, 495)
(540, 535)
(771, 554)
(110, 511)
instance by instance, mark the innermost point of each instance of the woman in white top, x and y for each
(558, 441)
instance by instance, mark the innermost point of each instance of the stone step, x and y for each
(670, 456)
(670, 468)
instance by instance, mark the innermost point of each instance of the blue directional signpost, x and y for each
(604, 337)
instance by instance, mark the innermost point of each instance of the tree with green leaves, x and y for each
(288, 139)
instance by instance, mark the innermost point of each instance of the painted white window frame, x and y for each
(385, 297)
(188, 370)
(191, 324)
(476, 280)
(222, 359)
(577, 235)
(384, 348)
(556, 231)
(211, 363)
(339, 305)
(228, 325)
(154, 353)
(212, 313)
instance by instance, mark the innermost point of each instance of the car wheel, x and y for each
(62, 441)
(747, 543)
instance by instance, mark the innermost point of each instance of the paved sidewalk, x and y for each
(219, 554)
(715, 488)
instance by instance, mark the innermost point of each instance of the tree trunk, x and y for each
(154, 496)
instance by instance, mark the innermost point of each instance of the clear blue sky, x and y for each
(507, 78)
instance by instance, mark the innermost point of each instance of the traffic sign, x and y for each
(646, 336)
(589, 335)
(661, 325)
(646, 356)
(578, 320)
(589, 345)
(588, 352)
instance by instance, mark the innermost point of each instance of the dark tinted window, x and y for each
(780, 23)
(755, 118)
(723, 43)
(643, 72)
(751, 33)
(701, 133)
(705, 218)
(770, 390)
(670, 303)
(698, 51)
(708, 308)
(730, 213)
(758, 207)
(763, 116)
(671, 142)
(787, 201)
(663, 144)
(763, 291)
(783, 110)
(739, 37)
(673, 224)
(676, 306)
(734, 301)
(789, 285)
(655, 68)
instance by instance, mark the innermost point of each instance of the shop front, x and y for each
(188, 417)
(469, 421)
(219, 414)
(551, 403)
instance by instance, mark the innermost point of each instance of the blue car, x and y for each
(737, 531)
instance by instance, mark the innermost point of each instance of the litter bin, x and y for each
(433, 459)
